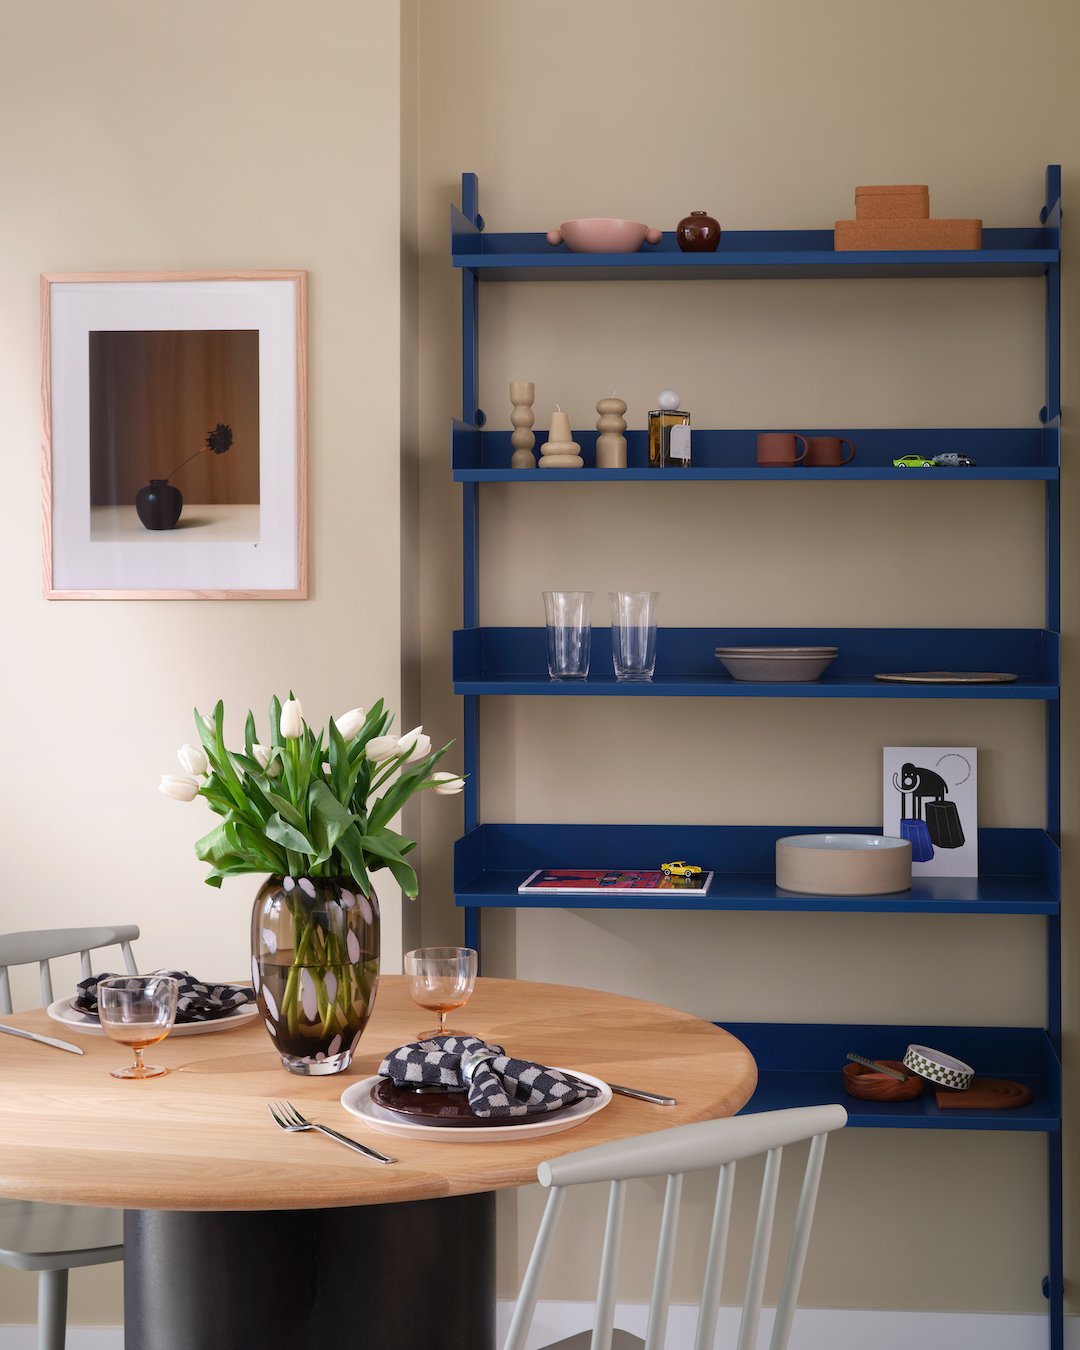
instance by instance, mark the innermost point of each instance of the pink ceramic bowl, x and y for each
(603, 236)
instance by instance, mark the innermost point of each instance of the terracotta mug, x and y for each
(778, 447)
(827, 451)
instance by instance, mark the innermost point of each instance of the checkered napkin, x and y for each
(198, 1002)
(498, 1085)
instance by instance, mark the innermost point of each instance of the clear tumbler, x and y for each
(569, 633)
(633, 633)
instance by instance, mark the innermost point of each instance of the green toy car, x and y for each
(913, 462)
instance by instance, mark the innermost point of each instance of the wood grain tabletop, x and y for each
(200, 1138)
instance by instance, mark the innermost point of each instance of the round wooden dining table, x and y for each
(237, 1232)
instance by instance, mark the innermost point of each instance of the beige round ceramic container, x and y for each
(843, 864)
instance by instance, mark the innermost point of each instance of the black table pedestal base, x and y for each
(413, 1276)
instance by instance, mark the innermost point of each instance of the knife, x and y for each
(45, 1040)
(653, 1097)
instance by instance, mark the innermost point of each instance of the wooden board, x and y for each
(984, 1094)
(201, 1138)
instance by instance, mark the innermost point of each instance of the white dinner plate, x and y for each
(357, 1100)
(63, 1011)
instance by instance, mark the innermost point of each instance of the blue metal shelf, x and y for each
(799, 1064)
(513, 661)
(751, 254)
(802, 1065)
(1021, 870)
(730, 456)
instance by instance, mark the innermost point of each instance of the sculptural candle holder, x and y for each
(522, 394)
(560, 450)
(611, 443)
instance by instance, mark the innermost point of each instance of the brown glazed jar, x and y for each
(698, 233)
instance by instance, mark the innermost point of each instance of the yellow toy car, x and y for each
(680, 869)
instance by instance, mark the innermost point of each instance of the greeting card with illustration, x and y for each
(931, 799)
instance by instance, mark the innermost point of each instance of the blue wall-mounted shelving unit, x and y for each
(799, 1064)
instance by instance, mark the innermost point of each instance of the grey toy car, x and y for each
(954, 461)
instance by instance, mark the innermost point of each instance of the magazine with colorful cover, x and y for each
(611, 881)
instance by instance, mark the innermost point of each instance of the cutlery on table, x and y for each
(641, 1096)
(289, 1118)
(42, 1040)
(616, 1087)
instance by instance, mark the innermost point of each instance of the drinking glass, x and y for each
(137, 1011)
(569, 633)
(440, 979)
(633, 633)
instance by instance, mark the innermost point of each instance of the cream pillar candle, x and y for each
(560, 450)
(522, 394)
(560, 427)
(611, 443)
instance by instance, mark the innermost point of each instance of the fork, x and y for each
(289, 1118)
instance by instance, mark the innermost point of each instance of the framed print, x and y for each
(931, 798)
(174, 435)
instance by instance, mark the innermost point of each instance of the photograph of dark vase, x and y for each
(698, 233)
(160, 503)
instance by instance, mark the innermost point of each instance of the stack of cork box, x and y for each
(898, 217)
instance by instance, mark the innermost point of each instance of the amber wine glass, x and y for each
(137, 1011)
(440, 979)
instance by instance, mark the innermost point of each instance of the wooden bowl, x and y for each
(859, 1081)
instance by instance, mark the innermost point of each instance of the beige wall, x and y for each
(213, 136)
(766, 114)
(123, 151)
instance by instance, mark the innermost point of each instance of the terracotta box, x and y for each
(857, 235)
(896, 201)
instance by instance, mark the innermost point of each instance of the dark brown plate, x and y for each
(442, 1108)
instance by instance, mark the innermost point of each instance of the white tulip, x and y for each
(208, 723)
(192, 760)
(447, 784)
(292, 719)
(350, 723)
(267, 760)
(416, 743)
(180, 789)
(380, 748)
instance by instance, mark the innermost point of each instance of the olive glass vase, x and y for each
(315, 966)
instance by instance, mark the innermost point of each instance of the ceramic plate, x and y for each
(357, 1100)
(62, 1011)
(948, 677)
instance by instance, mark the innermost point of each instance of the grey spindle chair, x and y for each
(53, 1239)
(673, 1153)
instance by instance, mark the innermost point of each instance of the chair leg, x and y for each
(52, 1309)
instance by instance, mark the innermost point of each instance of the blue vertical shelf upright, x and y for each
(1020, 868)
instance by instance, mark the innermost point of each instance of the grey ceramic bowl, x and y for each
(776, 664)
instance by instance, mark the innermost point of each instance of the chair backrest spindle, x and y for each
(800, 1241)
(672, 1153)
(604, 1320)
(759, 1255)
(714, 1260)
(665, 1265)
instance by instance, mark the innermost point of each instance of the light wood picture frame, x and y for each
(197, 376)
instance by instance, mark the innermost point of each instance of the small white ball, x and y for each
(668, 399)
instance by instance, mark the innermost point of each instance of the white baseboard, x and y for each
(814, 1329)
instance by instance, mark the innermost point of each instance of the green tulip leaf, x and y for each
(282, 833)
